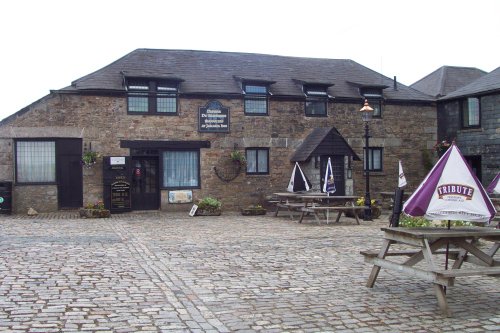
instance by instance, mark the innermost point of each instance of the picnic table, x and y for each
(288, 201)
(429, 242)
(341, 204)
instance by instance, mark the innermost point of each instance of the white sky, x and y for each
(48, 44)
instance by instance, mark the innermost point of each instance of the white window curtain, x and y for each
(36, 161)
(180, 169)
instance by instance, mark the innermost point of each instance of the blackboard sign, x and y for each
(120, 195)
(213, 118)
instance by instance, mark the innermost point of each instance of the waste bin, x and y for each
(5, 197)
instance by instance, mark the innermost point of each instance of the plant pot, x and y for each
(253, 211)
(94, 213)
(376, 211)
(204, 212)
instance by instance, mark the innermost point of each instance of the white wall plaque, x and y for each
(117, 160)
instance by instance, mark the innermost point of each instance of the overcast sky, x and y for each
(48, 44)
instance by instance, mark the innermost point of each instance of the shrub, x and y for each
(209, 204)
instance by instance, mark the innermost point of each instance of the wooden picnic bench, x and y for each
(429, 242)
(315, 210)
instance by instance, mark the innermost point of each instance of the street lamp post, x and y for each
(367, 113)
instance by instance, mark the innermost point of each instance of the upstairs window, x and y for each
(316, 101)
(374, 97)
(152, 97)
(471, 112)
(255, 99)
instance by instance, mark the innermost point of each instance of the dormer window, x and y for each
(256, 96)
(152, 97)
(316, 101)
(374, 97)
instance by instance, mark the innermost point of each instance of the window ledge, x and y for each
(472, 129)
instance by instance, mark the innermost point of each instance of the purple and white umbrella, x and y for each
(329, 181)
(494, 186)
(451, 191)
(298, 181)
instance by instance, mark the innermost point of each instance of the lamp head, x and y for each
(367, 111)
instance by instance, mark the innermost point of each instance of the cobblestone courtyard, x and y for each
(164, 272)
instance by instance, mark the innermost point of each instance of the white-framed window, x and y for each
(35, 161)
(257, 161)
(181, 169)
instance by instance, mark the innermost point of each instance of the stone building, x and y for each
(165, 123)
(468, 111)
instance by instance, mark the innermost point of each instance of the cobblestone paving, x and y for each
(164, 272)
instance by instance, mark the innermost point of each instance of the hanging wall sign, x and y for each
(213, 118)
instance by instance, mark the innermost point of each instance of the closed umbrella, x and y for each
(298, 180)
(494, 186)
(329, 181)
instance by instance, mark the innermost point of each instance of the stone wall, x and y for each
(483, 141)
(102, 121)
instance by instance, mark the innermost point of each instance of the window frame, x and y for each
(316, 94)
(375, 97)
(156, 89)
(257, 149)
(162, 170)
(464, 107)
(18, 182)
(370, 153)
(255, 96)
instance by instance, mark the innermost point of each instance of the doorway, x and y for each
(474, 162)
(145, 183)
(69, 173)
(338, 172)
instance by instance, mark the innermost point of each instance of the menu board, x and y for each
(120, 195)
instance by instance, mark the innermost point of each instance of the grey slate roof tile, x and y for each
(206, 72)
(486, 84)
(447, 79)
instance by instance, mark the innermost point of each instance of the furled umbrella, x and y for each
(451, 191)
(298, 180)
(329, 182)
(494, 187)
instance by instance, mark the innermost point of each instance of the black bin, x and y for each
(5, 197)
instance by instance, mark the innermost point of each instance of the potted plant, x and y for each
(95, 210)
(254, 210)
(89, 158)
(376, 211)
(238, 157)
(209, 206)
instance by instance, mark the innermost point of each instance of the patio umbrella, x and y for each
(329, 183)
(401, 178)
(451, 191)
(494, 186)
(298, 181)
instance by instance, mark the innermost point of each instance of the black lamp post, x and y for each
(367, 112)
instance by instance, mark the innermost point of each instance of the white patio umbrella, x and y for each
(298, 180)
(451, 191)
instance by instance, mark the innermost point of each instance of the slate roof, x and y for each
(209, 72)
(322, 141)
(447, 79)
(486, 84)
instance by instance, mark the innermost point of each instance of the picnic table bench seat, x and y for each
(325, 209)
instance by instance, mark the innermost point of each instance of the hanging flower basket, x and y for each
(441, 147)
(89, 158)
